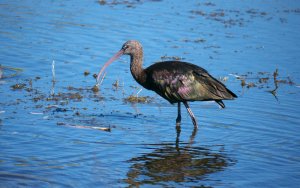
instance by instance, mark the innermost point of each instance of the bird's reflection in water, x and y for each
(177, 164)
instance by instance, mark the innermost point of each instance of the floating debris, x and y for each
(176, 58)
(230, 18)
(275, 74)
(116, 84)
(209, 4)
(250, 84)
(137, 99)
(84, 127)
(18, 86)
(263, 80)
(95, 88)
(223, 79)
(243, 82)
(129, 4)
(76, 96)
(9, 72)
(85, 73)
(290, 82)
(52, 106)
(65, 96)
(36, 113)
(53, 71)
(102, 2)
(235, 75)
(60, 110)
(199, 40)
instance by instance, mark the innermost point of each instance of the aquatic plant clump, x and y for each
(137, 99)
(18, 86)
(9, 72)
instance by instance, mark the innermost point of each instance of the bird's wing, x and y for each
(174, 86)
(180, 81)
(216, 89)
(164, 83)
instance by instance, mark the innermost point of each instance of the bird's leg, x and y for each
(178, 119)
(192, 137)
(178, 130)
(191, 114)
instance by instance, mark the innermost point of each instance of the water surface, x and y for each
(48, 130)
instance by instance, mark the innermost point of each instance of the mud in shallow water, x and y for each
(65, 101)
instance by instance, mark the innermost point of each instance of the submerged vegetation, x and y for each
(64, 101)
(86, 73)
(18, 86)
(137, 99)
(95, 89)
(9, 72)
(262, 80)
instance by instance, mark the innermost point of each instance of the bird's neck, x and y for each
(136, 67)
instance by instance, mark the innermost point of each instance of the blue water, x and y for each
(45, 134)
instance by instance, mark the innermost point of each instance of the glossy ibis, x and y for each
(176, 81)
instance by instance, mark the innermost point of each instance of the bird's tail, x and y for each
(220, 102)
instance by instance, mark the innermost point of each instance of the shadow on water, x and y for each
(178, 164)
(14, 180)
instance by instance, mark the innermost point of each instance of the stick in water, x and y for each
(53, 78)
(53, 71)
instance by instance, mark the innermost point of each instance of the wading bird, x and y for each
(176, 81)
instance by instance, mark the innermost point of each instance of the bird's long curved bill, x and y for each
(112, 59)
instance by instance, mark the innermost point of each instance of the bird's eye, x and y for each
(125, 47)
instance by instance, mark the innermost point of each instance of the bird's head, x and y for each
(131, 47)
